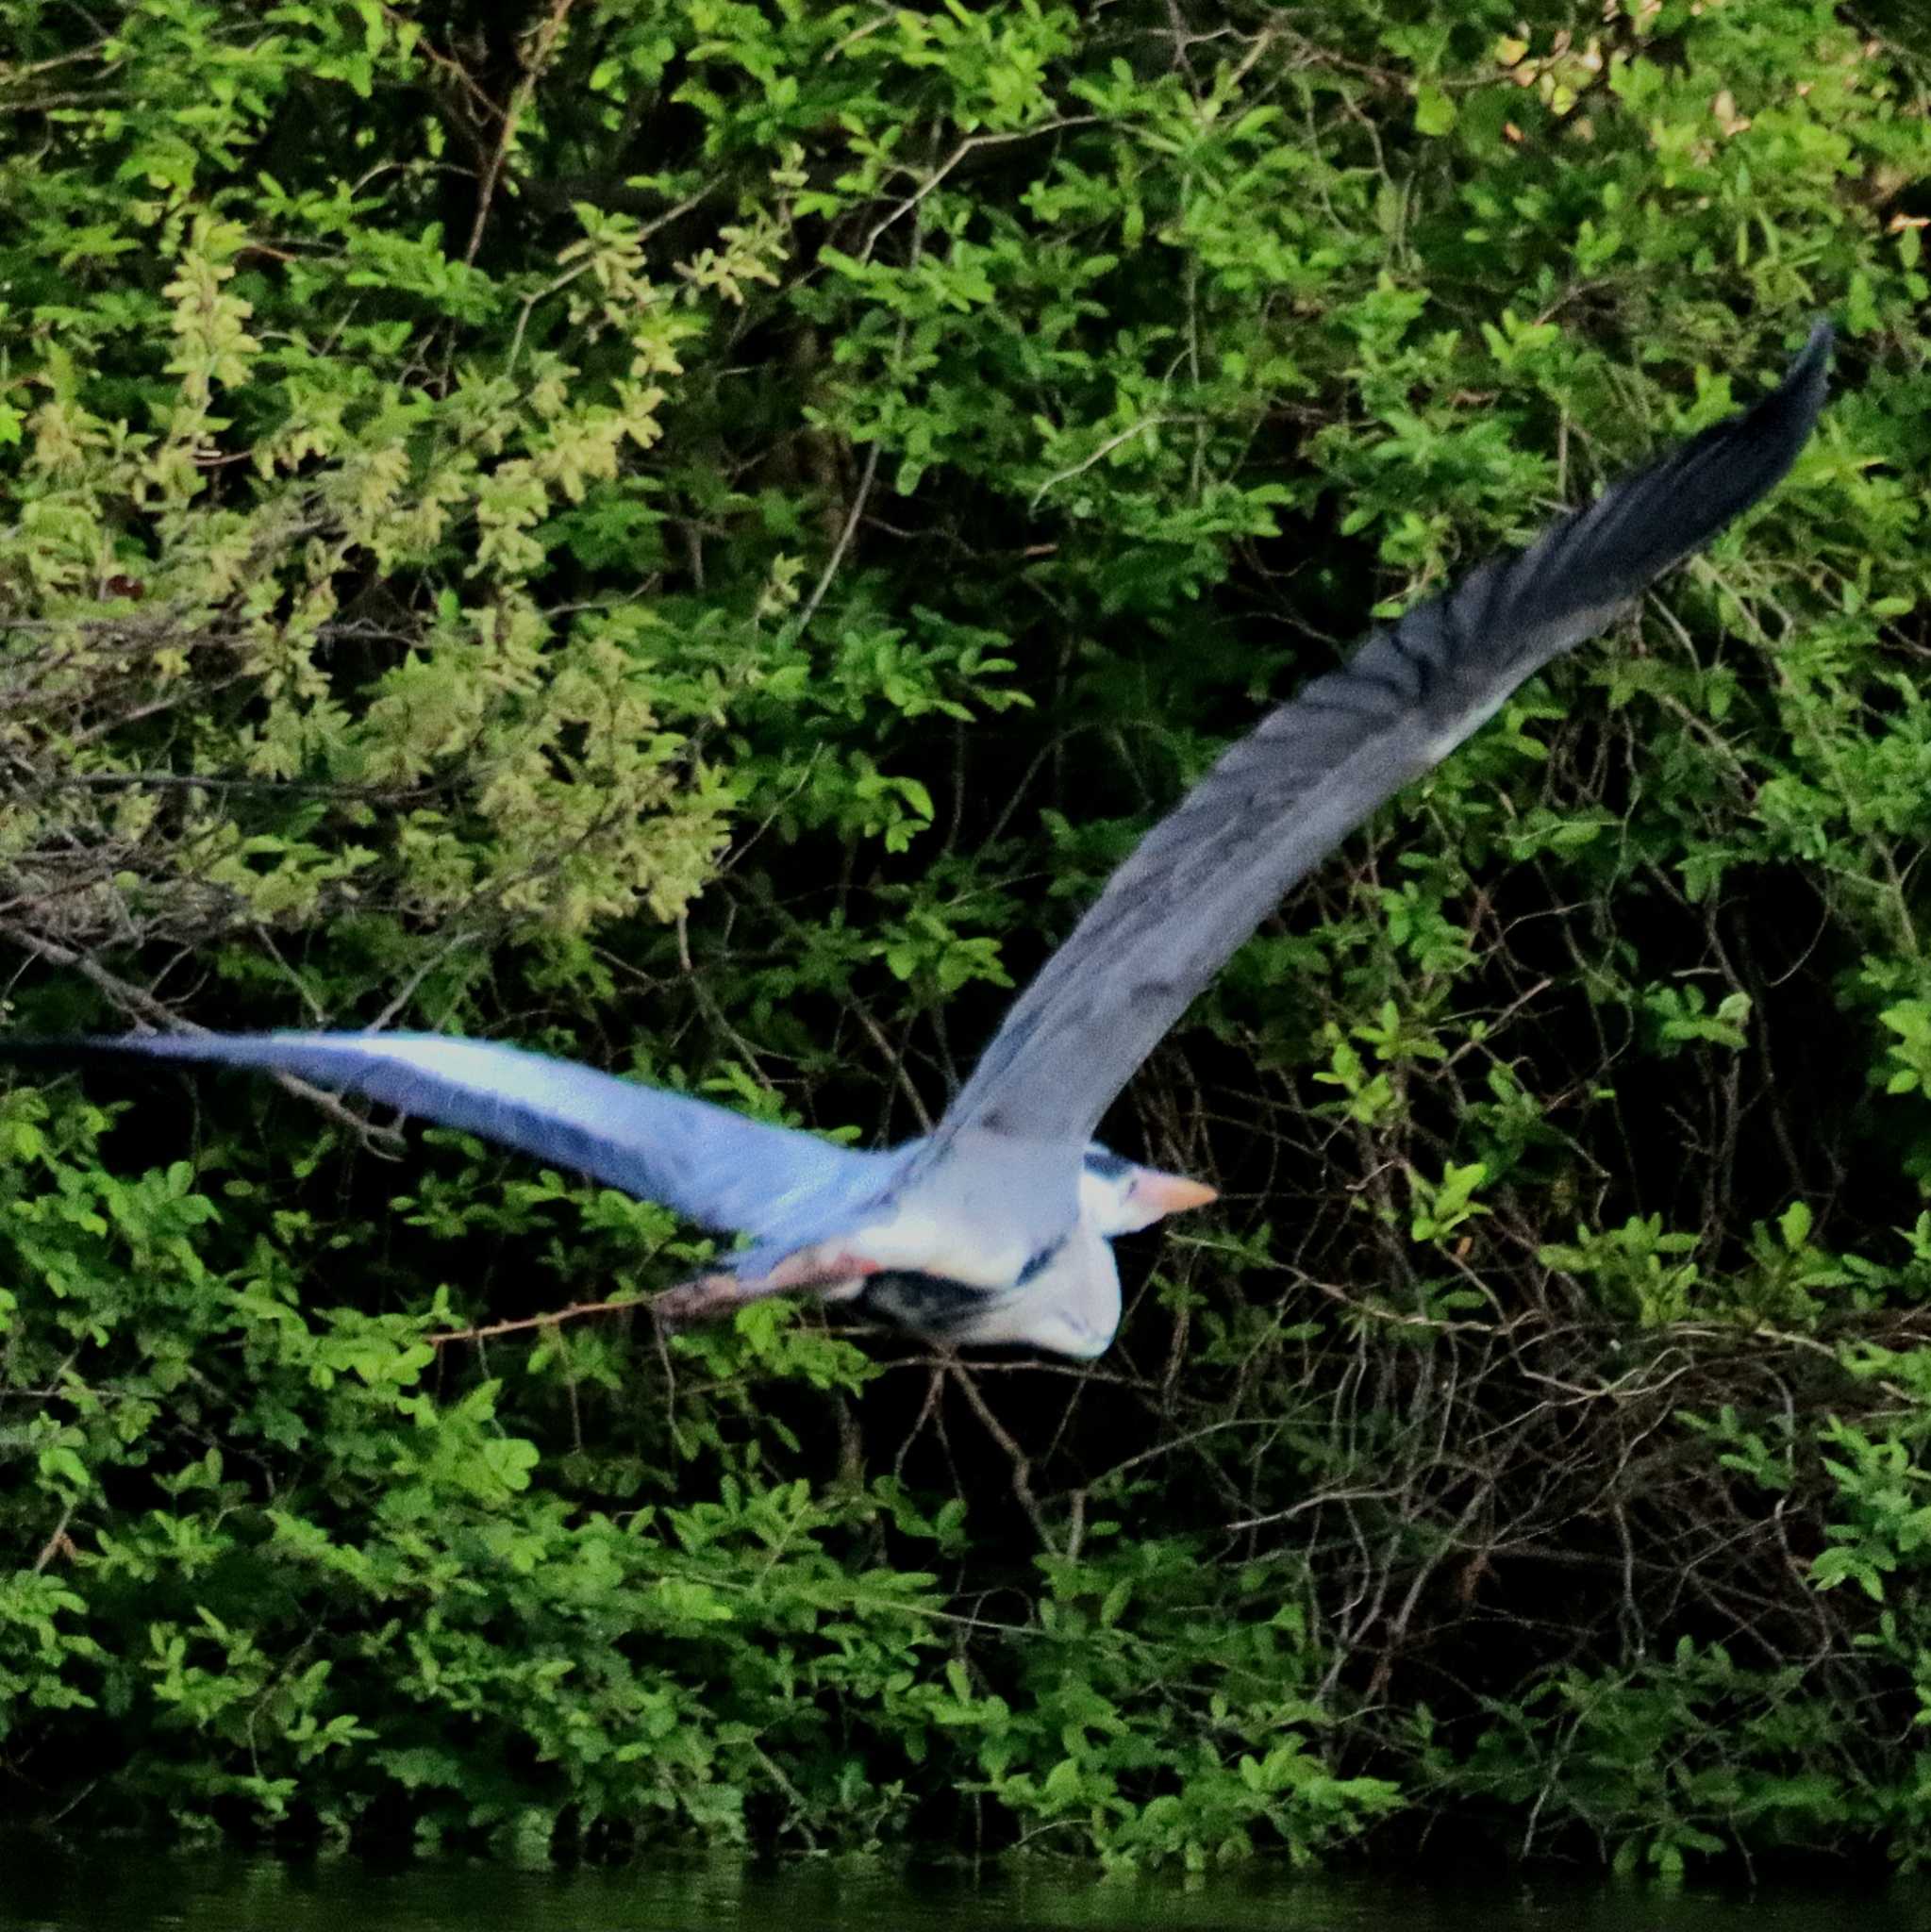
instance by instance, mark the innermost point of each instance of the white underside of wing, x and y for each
(913, 1239)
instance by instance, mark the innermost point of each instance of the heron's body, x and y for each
(1073, 1312)
(998, 1227)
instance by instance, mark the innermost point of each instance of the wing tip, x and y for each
(1793, 407)
(40, 1049)
(67, 1052)
(1814, 358)
(1768, 435)
(1652, 519)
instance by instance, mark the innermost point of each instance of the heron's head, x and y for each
(1116, 1197)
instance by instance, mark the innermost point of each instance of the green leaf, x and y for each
(1434, 111)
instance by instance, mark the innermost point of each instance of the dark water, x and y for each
(118, 1890)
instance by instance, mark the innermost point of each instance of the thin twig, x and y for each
(1022, 1465)
(843, 543)
(957, 155)
(540, 45)
(550, 1318)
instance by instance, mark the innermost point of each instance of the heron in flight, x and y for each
(998, 1226)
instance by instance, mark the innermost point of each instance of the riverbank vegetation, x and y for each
(694, 535)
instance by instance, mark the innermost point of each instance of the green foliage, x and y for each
(1666, 1760)
(1150, 1718)
(695, 536)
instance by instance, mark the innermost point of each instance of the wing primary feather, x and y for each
(1284, 796)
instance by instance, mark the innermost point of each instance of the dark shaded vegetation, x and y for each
(695, 536)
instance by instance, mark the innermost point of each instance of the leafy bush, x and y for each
(695, 534)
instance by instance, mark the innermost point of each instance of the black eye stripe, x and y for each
(1105, 1163)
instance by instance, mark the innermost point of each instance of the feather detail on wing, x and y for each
(1281, 799)
(708, 1164)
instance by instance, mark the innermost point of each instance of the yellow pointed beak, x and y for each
(1171, 1193)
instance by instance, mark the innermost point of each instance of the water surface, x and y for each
(118, 1888)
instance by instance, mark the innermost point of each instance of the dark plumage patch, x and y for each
(927, 1304)
(1035, 1262)
(933, 1303)
(1105, 1163)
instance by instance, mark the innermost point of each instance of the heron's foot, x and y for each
(709, 1298)
(825, 1270)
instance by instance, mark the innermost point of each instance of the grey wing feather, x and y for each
(1282, 798)
(710, 1165)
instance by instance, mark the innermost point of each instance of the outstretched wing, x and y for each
(713, 1166)
(1281, 799)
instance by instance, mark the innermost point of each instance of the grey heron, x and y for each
(998, 1226)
